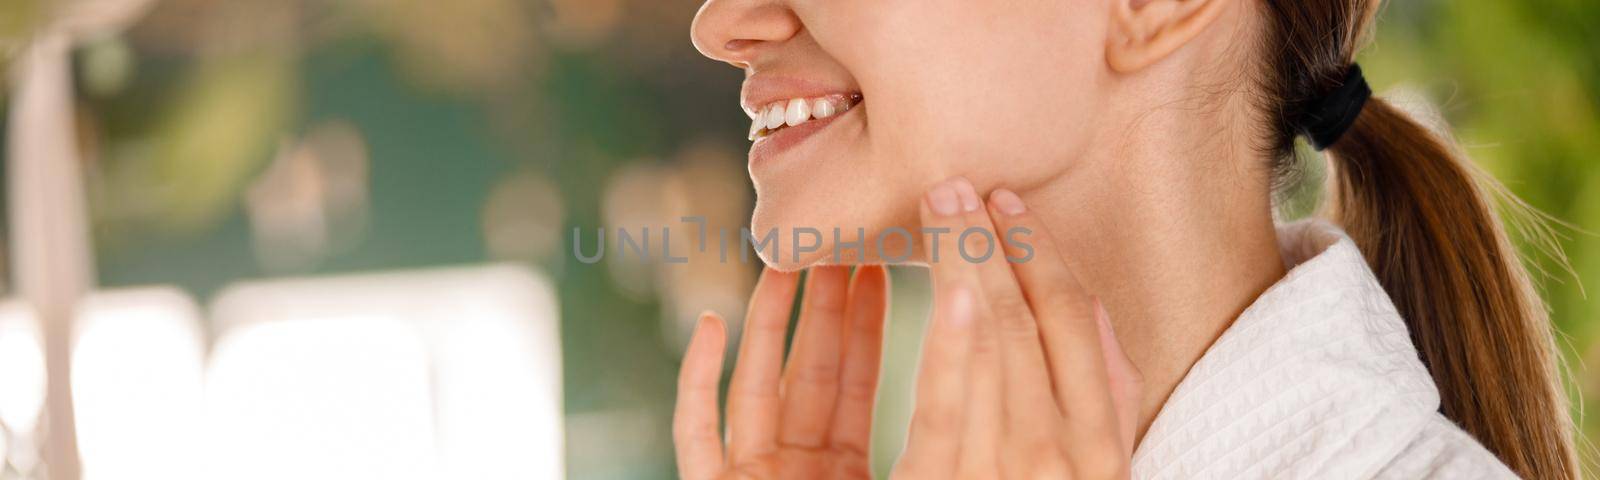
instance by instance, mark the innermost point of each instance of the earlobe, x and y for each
(1145, 31)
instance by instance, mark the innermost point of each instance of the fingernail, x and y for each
(969, 195)
(1007, 202)
(942, 200)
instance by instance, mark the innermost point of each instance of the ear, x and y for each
(1146, 31)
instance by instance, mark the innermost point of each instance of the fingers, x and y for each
(753, 398)
(936, 424)
(811, 380)
(1067, 324)
(1026, 378)
(863, 355)
(944, 219)
(944, 380)
(1127, 384)
(695, 435)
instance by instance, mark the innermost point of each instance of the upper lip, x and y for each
(761, 90)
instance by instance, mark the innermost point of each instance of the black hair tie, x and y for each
(1328, 118)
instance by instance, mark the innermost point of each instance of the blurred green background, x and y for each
(241, 139)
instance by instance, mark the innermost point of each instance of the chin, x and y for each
(797, 247)
(812, 230)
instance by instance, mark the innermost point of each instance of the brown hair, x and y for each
(1425, 220)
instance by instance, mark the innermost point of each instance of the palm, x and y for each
(808, 419)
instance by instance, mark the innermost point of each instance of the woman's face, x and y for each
(1005, 96)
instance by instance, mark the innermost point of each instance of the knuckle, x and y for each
(858, 391)
(1011, 308)
(816, 374)
(849, 449)
(686, 431)
(693, 388)
(739, 393)
(770, 326)
(985, 343)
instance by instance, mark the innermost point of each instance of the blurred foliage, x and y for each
(460, 103)
(1520, 84)
(17, 19)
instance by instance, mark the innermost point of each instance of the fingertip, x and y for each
(967, 194)
(1007, 202)
(710, 328)
(942, 200)
(712, 320)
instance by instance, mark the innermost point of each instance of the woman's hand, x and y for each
(1021, 376)
(809, 419)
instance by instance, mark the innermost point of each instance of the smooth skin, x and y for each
(1130, 127)
(1021, 374)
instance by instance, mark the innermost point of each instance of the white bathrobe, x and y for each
(1317, 379)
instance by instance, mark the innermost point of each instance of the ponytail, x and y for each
(1425, 220)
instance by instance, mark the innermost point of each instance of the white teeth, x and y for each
(795, 112)
(775, 115)
(798, 112)
(822, 108)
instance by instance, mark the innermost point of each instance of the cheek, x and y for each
(953, 87)
(964, 85)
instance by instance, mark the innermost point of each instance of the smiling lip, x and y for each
(787, 138)
(762, 90)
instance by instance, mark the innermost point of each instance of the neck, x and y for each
(1176, 242)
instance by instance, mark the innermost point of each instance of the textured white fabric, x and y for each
(1317, 379)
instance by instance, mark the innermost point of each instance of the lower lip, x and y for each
(783, 140)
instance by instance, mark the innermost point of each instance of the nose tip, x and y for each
(739, 31)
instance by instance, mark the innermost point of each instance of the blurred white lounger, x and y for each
(451, 373)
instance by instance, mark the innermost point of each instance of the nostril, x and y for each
(737, 45)
(737, 31)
